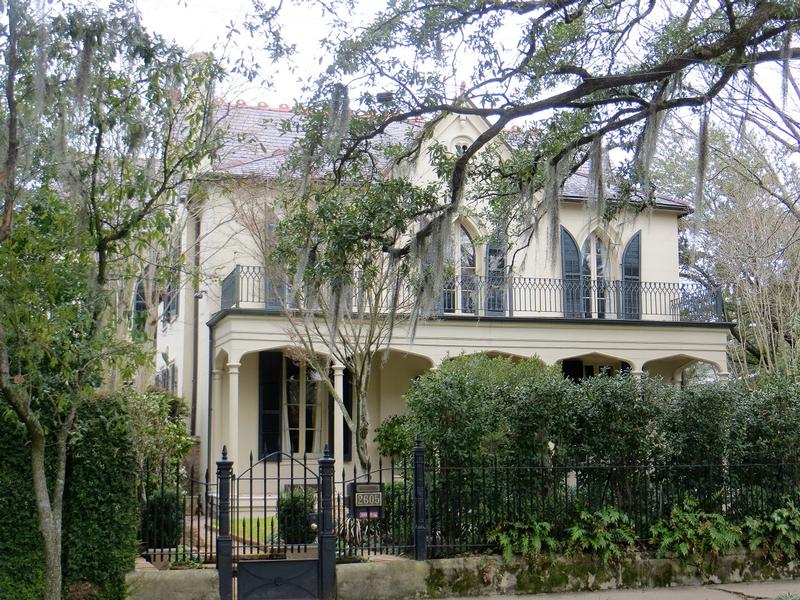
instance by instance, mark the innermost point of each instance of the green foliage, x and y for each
(158, 430)
(606, 533)
(394, 437)
(294, 508)
(100, 500)
(397, 525)
(99, 514)
(767, 419)
(21, 555)
(692, 534)
(161, 519)
(527, 539)
(778, 534)
(186, 558)
(614, 419)
(458, 409)
(696, 424)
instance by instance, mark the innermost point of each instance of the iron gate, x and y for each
(276, 537)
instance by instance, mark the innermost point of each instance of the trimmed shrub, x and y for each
(99, 529)
(613, 420)
(294, 507)
(458, 409)
(394, 437)
(397, 525)
(100, 501)
(21, 555)
(161, 525)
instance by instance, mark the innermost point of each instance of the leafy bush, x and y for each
(606, 533)
(186, 558)
(766, 421)
(459, 408)
(100, 501)
(397, 525)
(777, 535)
(691, 534)
(294, 507)
(99, 529)
(162, 523)
(394, 437)
(696, 424)
(21, 553)
(531, 538)
(614, 420)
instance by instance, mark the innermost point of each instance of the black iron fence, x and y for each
(177, 516)
(465, 503)
(388, 529)
(421, 506)
(431, 508)
(523, 297)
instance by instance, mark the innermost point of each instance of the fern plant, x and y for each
(530, 538)
(606, 533)
(777, 535)
(691, 534)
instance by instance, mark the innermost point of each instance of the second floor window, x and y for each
(459, 290)
(172, 291)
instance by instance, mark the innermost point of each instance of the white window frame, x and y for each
(301, 424)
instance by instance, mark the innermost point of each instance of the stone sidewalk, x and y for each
(733, 591)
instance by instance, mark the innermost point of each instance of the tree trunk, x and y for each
(362, 431)
(49, 514)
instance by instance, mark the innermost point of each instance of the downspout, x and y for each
(195, 321)
(210, 395)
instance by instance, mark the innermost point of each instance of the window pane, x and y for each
(310, 438)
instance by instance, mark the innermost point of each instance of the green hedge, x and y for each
(21, 556)
(476, 405)
(99, 530)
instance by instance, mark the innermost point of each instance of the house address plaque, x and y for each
(366, 500)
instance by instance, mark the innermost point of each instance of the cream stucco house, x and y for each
(610, 297)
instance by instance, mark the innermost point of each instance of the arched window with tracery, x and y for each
(631, 278)
(461, 285)
(597, 271)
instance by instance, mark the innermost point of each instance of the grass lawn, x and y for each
(258, 530)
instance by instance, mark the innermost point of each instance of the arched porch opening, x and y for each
(679, 369)
(590, 364)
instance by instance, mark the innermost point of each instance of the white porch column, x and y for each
(233, 413)
(338, 425)
(215, 435)
(637, 374)
(722, 376)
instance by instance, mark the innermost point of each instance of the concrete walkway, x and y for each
(733, 591)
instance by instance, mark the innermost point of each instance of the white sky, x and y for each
(202, 25)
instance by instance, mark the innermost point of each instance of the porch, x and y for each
(263, 400)
(582, 298)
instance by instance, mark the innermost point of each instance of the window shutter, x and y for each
(496, 279)
(631, 278)
(270, 375)
(571, 271)
(347, 434)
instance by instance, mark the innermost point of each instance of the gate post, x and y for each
(224, 544)
(420, 525)
(327, 538)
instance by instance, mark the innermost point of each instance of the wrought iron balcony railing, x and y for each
(520, 297)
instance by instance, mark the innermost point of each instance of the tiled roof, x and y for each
(576, 188)
(257, 140)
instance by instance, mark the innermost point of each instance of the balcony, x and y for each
(518, 297)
